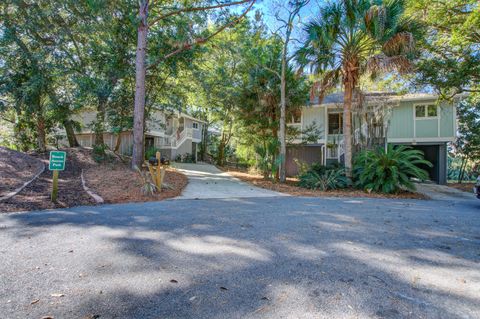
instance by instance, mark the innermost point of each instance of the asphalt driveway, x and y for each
(207, 181)
(274, 257)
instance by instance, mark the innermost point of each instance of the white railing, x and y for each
(335, 151)
(341, 150)
(197, 134)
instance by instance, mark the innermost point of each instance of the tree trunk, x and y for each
(72, 139)
(282, 137)
(41, 134)
(204, 144)
(140, 70)
(100, 122)
(347, 127)
(118, 142)
(221, 151)
(462, 170)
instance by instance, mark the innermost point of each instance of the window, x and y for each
(195, 125)
(420, 111)
(295, 117)
(425, 111)
(335, 123)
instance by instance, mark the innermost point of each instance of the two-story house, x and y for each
(417, 120)
(173, 133)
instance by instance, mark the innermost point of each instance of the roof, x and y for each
(337, 98)
(191, 117)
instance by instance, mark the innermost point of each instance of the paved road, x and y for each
(282, 257)
(207, 181)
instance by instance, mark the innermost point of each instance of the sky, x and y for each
(269, 7)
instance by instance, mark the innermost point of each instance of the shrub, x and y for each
(147, 187)
(268, 161)
(185, 158)
(301, 166)
(151, 152)
(387, 171)
(324, 178)
(100, 154)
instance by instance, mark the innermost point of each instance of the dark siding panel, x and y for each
(307, 154)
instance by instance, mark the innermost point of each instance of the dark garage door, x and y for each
(437, 155)
(308, 154)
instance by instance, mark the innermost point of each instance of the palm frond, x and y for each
(382, 63)
(400, 43)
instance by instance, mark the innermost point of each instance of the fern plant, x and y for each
(324, 179)
(388, 170)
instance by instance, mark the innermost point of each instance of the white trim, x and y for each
(415, 118)
(439, 115)
(454, 120)
(421, 140)
(426, 117)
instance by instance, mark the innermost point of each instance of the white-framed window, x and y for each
(195, 125)
(335, 123)
(425, 111)
(295, 117)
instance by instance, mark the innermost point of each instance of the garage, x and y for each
(305, 153)
(437, 155)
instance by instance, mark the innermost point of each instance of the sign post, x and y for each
(55, 164)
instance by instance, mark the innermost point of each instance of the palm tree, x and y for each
(351, 38)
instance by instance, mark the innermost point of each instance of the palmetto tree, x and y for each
(350, 38)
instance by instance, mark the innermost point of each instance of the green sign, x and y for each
(57, 161)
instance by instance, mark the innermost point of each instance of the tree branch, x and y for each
(187, 46)
(192, 9)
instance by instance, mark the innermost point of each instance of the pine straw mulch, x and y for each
(291, 188)
(16, 168)
(36, 196)
(114, 181)
(118, 184)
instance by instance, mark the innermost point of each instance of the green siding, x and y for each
(426, 128)
(401, 121)
(317, 115)
(447, 120)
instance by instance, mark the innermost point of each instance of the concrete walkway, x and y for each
(443, 192)
(207, 181)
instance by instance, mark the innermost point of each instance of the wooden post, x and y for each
(162, 176)
(55, 186)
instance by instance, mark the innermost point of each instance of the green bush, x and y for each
(324, 178)
(185, 158)
(150, 152)
(387, 171)
(100, 154)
